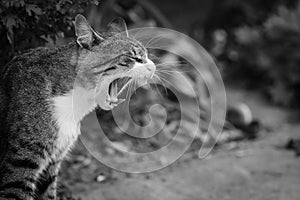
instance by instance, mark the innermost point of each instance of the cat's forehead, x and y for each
(124, 44)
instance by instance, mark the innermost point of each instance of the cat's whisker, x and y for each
(170, 70)
(162, 77)
(173, 68)
(157, 89)
(147, 45)
(165, 79)
(153, 57)
(174, 62)
(162, 83)
(171, 73)
(136, 34)
(166, 74)
(160, 80)
(166, 70)
(169, 65)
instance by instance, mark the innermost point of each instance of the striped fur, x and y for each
(41, 108)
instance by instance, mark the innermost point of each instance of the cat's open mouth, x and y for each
(115, 89)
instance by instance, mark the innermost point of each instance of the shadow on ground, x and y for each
(258, 170)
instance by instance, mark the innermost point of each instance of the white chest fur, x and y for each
(69, 110)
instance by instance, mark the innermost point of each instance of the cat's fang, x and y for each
(120, 101)
(116, 87)
(114, 92)
(124, 87)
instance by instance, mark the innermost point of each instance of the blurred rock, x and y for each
(294, 145)
(101, 178)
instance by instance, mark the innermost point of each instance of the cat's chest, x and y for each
(69, 110)
(67, 133)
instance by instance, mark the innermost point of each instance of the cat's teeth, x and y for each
(114, 100)
(114, 92)
(124, 87)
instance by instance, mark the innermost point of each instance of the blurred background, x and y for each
(253, 41)
(255, 44)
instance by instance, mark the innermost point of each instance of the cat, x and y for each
(41, 107)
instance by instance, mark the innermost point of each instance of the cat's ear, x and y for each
(117, 26)
(84, 32)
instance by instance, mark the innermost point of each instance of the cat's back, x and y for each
(26, 62)
(31, 79)
(3, 111)
(36, 68)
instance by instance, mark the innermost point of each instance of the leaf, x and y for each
(10, 37)
(19, 3)
(11, 22)
(30, 8)
(280, 94)
(95, 2)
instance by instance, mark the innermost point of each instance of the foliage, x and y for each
(264, 53)
(282, 44)
(30, 23)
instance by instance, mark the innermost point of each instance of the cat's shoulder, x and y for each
(37, 58)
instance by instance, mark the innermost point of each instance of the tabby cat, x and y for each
(41, 107)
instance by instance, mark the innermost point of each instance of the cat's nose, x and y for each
(150, 67)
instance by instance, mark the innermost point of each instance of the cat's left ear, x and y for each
(117, 26)
(84, 32)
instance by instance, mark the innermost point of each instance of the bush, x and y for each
(27, 24)
(265, 54)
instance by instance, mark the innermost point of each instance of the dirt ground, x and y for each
(254, 170)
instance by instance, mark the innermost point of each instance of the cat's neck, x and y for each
(74, 105)
(69, 110)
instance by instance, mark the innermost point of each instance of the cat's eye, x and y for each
(123, 64)
(139, 60)
(134, 52)
(110, 68)
(125, 61)
(136, 59)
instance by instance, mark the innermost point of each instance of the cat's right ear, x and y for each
(84, 32)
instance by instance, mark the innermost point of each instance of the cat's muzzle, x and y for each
(115, 89)
(139, 74)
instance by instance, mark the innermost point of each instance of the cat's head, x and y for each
(107, 62)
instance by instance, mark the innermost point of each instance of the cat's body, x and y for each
(45, 93)
(31, 132)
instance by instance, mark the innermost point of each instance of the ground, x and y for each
(260, 169)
